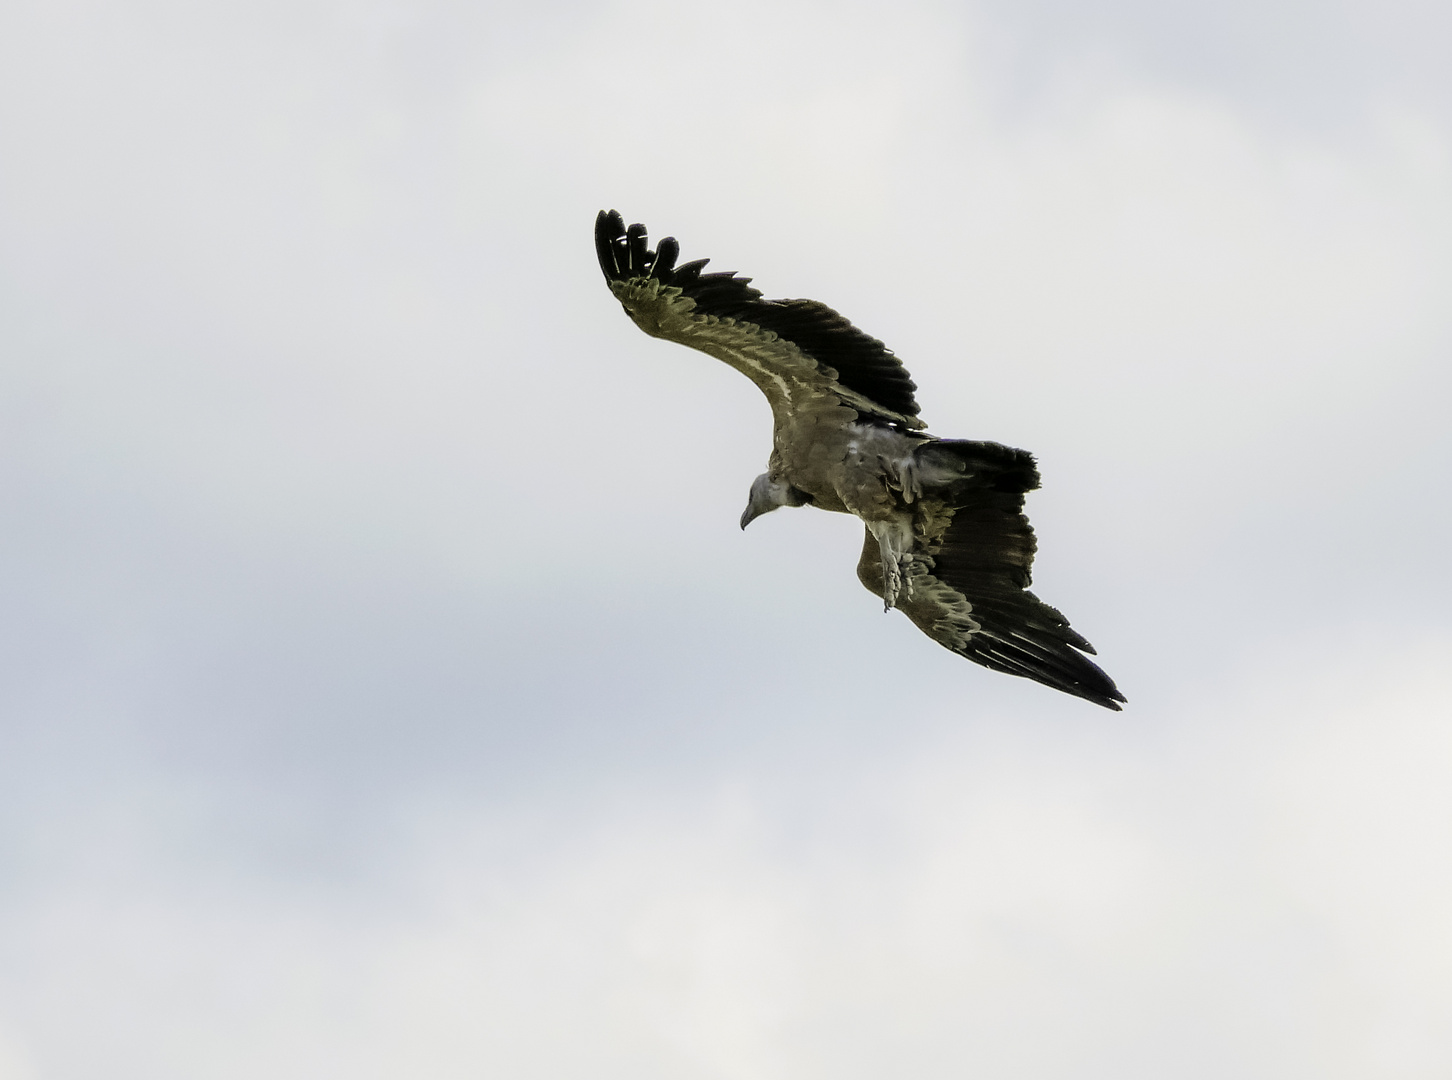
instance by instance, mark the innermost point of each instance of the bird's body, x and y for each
(946, 540)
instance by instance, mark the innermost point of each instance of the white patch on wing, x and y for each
(761, 360)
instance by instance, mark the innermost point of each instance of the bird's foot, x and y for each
(897, 579)
(894, 538)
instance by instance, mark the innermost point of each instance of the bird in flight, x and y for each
(946, 542)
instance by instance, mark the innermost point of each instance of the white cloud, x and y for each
(1257, 890)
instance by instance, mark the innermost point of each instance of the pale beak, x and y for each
(755, 508)
(760, 500)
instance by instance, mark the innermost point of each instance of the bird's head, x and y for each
(767, 494)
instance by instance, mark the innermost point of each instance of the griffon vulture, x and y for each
(946, 540)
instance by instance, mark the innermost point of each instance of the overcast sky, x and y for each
(388, 691)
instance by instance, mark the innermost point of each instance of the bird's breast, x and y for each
(843, 465)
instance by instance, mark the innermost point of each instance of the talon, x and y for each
(891, 586)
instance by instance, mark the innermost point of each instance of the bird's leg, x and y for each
(894, 538)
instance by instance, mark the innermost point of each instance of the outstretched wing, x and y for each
(970, 581)
(799, 352)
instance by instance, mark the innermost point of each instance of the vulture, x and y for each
(946, 541)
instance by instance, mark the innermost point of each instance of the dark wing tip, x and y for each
(624, 252)
(687, 274)
(609, 243)
(667, 252)
(1112, 699)
(637, 242)
(1038, 642)
(1041, 658)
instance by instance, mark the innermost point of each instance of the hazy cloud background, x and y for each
(387, 691)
